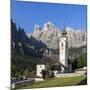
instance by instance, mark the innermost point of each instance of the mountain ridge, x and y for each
(50, 35)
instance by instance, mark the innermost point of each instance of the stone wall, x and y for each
(70, 74)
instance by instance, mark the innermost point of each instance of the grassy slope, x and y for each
(56, 82)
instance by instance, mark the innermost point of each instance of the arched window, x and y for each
(40, 66)
(61, 44)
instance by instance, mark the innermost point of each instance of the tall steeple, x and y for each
(63, 53)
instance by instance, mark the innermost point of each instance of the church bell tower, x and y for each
(63, 52)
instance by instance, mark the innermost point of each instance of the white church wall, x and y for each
(63, 53)
(39, 69)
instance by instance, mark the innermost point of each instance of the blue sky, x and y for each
(26, 14)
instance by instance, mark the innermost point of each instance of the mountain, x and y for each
(76, 38)
(50, 36)
(24, 44)
(37, 44)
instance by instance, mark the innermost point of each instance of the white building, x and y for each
(39, 69)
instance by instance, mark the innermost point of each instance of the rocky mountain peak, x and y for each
(37, 28)
(48, 26)
(37, 32)
(50, 35)
(76, 37)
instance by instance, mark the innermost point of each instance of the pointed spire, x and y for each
(64, 30)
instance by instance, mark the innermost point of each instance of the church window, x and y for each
(61, 44)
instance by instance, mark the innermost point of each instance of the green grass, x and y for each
(57, 82)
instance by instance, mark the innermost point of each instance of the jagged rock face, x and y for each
(29, 46)
(37, 32)
(14, 32)
(76, 38)
(50, 35)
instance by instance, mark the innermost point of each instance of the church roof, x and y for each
(64, 33)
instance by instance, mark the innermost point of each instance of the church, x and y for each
(64, 65)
